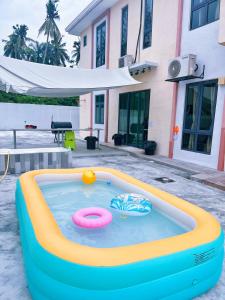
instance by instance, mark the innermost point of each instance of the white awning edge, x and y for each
(27, 78)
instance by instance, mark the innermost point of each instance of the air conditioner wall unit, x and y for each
(182, 67)
(126, 61)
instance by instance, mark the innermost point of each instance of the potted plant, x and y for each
(118, 138)
(150, 147)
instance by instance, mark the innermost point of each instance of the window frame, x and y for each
(85, 41)
(124, 9)
(144, 46)
(102, 24)
(201, 5)
(101, 120)
(197, 131)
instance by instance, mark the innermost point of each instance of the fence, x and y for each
(13, 115)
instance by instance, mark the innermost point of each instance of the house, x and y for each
(185, 116)
(110, 30)
(200, 102)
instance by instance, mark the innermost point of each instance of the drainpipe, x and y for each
(107, 117)
(220, 165)
(139, 34)
(175, 85)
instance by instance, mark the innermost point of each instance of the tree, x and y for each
(15, 98)
(52, 52)
(16, 45)
(58, 56)
(35, 52)
(56, 53)
(49, 27)
(76, 52)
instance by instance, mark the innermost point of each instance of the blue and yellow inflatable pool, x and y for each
(174, 268)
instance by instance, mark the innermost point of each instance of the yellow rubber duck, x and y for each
(88, 177)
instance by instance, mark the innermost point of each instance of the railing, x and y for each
(60, 133)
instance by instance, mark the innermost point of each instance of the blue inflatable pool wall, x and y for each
(179, 276)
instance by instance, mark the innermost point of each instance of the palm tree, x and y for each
(10, 48)
(35, 52)
(58, 55)
(76, 52)
(49, 27)
(16, 45)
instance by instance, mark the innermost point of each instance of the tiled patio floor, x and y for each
(13, 285)
(46, 140)
(196, 172)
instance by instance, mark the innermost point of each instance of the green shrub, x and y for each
(15, 98)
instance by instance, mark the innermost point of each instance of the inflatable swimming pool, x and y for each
(179, 266)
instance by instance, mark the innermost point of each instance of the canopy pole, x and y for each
(107, 118)
(14, 139)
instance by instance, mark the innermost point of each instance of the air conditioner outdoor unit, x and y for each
(182, 67)
(126, 61)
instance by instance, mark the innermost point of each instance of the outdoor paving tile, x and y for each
(12, 281)
(193, 171)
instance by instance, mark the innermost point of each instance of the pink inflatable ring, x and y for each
(80, 217)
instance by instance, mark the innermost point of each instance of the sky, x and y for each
(32, 13)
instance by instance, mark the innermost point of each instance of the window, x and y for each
(204, 12)
(147, 38)
(199, 116)
(124, 30)
(85, 41)
(99, 109)
(100, 44)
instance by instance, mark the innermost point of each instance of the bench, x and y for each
(23, 160)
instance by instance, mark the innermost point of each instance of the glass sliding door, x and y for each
(123, 113)
(133, 117)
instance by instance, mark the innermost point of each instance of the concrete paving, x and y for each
(12, 280)
(46, 140)
(196, 172)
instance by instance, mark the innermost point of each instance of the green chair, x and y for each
(70, 141)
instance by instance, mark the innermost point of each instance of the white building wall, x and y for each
(164, 30)
(203, 42)
(13, 115)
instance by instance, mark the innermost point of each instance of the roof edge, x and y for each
(83, 14)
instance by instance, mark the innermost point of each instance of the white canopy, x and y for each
(22, 77)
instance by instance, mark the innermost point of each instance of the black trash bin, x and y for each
(118, 139)
(150, 147)
(91, 142)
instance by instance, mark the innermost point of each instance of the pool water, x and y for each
(65, 198)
